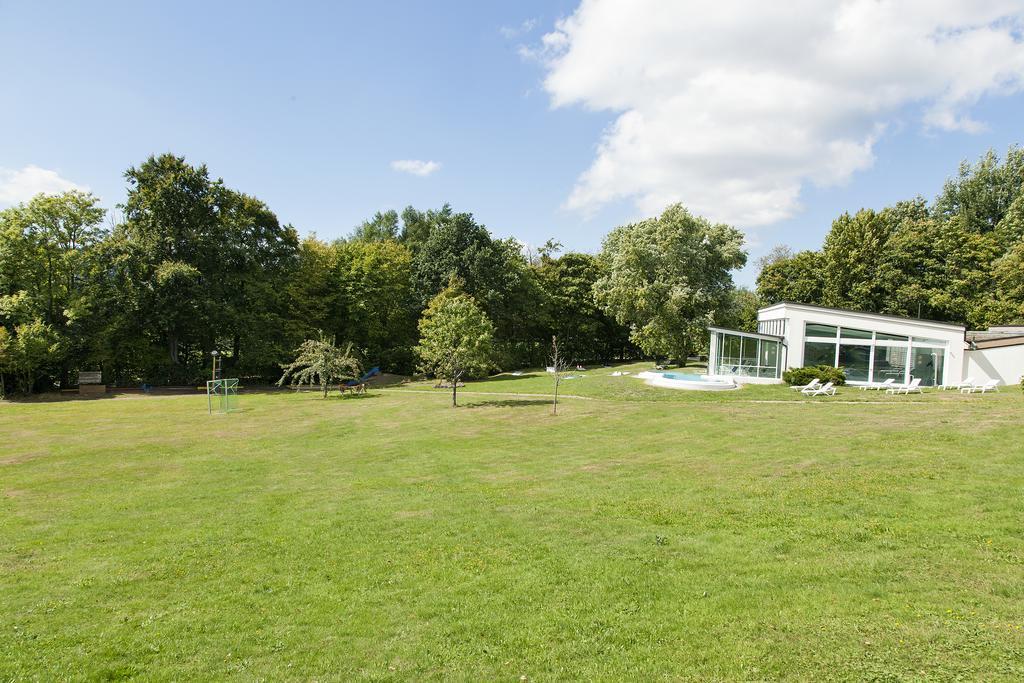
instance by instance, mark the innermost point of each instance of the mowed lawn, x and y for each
(641, 534)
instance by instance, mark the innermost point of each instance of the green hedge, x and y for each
(824, 373)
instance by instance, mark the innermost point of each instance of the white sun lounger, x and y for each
(814, 384)
(825, 389)
(969, 382)
(913, 388)
(878, 387)
(991, 385)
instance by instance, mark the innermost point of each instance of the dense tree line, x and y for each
(959, 259)
(190, 265)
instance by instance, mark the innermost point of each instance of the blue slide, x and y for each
(362, 380)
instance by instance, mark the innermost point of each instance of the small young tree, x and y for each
(32, 349)
(558, 366)
(455, 338)
(319, 361)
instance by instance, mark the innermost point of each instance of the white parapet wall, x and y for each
(1004, 363)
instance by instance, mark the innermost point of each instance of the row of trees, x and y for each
(189, 265)
(958, 259)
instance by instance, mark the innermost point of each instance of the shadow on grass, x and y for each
(358, 397)
(509, 403)
(505, 377)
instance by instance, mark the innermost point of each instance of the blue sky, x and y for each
(306, 106)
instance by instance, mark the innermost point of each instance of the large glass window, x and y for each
(855, 359)
(928, 342)
(769, 361)
(868, 356)
(927, 364)
(746, 356)
(730, 350)
(748, 360)
(890, 363)
(816, 330)
(819, 353)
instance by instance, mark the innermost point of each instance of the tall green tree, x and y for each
(494, 272)
(213, 265)
(456, 338)
(856, 249)
(46, 251)
(383, 227)
(936, 270)
(377, 301)
(666, 278)
(799, 278)
(584, 331)
(981, 193)
(172, 226)
(740, 311)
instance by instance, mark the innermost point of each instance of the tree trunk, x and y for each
(554, 407)
(172, 347)
(455, 390)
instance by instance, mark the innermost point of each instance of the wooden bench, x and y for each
(91, 382)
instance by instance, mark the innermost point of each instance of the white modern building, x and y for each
(870, 348)
(996, 353)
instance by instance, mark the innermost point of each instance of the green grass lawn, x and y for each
(642, 533)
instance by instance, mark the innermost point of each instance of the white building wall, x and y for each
(797, 316)
(1004, 363)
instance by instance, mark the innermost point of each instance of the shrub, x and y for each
(823, 373)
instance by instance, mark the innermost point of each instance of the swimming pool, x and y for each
(685, 376)
(683, 380)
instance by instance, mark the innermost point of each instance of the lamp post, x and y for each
(215, 355)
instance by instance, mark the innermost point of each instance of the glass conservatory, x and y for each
(745, 354)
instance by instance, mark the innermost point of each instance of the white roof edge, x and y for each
(713, 328)
(864, 314)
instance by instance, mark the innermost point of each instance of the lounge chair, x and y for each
(358, 386)
(969, 382)
(878, 387)
(991, 385)
(913, 388)
(825, 389)
(813, 384)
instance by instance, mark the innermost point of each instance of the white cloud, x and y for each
(510, 32)
(416, 167)
(21, 185)
(732, 107)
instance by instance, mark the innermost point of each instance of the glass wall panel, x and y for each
(890, 363)
(928, 342)
(855, 359)
(890, 337)
(748, 361)
(927, 364)
(746, 356)
(729, 355)
(769, 360)
(816, 330)
(819, 353)
(730, 349)
(849, 333)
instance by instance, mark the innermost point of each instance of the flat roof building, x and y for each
(870, 347)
